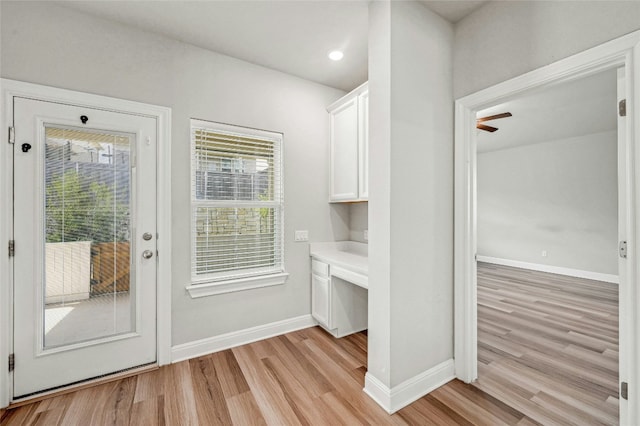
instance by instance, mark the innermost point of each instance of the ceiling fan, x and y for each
(481, 120)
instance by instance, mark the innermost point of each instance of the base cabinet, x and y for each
(339, 306)
(320, 296)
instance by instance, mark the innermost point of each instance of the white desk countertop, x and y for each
(349, 255)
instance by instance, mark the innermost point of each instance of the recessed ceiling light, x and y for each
(336, 55)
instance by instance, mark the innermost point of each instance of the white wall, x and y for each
(421, 190)
(379, 334)
(411, 191)
(504, 39)
(358, 221)
(559, 196)
(48, 44)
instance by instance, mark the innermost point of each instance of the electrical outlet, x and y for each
(544, 253)
(301, 235)
(366, 235)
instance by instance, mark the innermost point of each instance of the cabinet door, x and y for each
(344, 152)
(363, 146)
(320, 297)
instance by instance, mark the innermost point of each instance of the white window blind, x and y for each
(237, 202)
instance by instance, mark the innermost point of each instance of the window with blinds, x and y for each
(237, 202)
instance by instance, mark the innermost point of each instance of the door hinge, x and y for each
(622, 108)
(12, 362)
(624, 390)
(12, 248)
(622, 247)
(12, 135)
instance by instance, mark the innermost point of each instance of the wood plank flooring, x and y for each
(548, 344)
(301, 378)
(547, 355)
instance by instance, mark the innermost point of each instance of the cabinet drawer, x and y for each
(319, 268)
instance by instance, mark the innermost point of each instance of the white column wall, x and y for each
(411, 191)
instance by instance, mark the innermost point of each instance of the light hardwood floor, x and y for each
(548, 344)
(548, 355)
(301, 378)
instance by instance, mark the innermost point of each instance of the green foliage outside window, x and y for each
(78, 209)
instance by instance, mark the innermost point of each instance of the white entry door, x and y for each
(85, 243)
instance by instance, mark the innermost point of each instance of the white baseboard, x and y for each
(378, 391)
(410, 390)
(597, 276)
(242, 337)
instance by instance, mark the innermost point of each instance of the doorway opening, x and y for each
(609, 57)
(547, 244)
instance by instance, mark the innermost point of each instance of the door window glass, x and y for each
(88, 277)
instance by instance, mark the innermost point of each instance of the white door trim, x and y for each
(621, 52)
(13, 88)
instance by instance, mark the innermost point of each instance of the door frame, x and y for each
(621, 52)
(162, 115)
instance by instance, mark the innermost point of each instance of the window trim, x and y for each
(220, 284)
(208, 288)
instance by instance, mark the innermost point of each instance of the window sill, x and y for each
(211, 288)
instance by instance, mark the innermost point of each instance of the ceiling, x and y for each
(453, 10)
(566, 110)
(289, 36)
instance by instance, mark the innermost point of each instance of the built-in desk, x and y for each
(339, 283)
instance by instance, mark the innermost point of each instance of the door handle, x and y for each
(147, 254)
(147, 236)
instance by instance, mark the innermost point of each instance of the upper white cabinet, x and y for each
(350, 146)
(363, 145)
